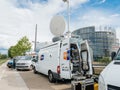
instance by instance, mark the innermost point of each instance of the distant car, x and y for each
(24, 63)
(10, 63)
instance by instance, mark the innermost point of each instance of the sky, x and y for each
(18, 18)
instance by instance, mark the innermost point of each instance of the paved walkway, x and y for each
(10, 79)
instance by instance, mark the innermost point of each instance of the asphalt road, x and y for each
(11, 79)
(40, 82)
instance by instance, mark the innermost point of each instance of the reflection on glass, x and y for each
(84, 56)
(84, 59)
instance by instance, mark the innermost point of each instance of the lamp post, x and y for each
(68, 14)
(35, 38)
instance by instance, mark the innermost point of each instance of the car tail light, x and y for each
(58, 69)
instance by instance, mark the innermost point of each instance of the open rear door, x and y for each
(86, 55)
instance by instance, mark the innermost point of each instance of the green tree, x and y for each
(10, 51)
(20, 48)
(4, 56)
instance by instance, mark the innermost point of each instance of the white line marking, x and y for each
(2, 74)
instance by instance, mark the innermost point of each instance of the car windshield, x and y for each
(11, 60)
(117, 56)
(26, 57)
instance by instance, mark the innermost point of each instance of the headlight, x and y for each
(101, 83)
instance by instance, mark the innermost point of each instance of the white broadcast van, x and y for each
(109, 78)
(65, 58)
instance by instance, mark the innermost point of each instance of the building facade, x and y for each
(101, 39)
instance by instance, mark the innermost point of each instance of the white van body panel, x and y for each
(110, 76)
(50, 59)
(58, 54)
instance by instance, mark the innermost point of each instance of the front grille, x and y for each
(111, 87)
(20, 63)
(22, 66)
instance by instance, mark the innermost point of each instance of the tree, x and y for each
(23, 45)
(20, 48)
(4, 56)
(10, 52)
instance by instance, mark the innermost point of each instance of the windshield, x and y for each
(26, 57)
(118, 55)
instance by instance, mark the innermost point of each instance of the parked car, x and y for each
(24, 63)
(10, 63)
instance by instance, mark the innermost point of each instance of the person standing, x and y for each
(14, 63)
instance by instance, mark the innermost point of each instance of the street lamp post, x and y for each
(35, 38)
(68, 14)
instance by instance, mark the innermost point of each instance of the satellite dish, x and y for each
(57, 25)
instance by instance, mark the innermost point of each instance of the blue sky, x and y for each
(107, 6)
(104, 8)
(19, 17)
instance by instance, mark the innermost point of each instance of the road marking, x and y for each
(2, 74)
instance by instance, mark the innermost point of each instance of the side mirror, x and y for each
(113, 54)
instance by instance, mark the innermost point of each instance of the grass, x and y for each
(2, 61)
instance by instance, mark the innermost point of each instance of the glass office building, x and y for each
(101, 39)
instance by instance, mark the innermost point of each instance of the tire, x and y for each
(34, 70)
(31, 68)
(51, 77)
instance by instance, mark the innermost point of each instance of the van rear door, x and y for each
(86, 55)
(65, 60)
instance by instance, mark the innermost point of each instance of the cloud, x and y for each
(96, 17)
(74, 3)
(102, 1)
(118, 33)
(115, 15)
(19, 17)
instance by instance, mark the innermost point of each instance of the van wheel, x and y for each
(50, 77)
(34, 70)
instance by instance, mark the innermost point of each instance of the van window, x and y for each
(117, 56)
(26, 58)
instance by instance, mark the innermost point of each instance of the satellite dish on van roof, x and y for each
(57, 25)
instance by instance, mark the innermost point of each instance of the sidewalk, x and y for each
(10, 79)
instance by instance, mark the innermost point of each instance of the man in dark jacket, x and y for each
(14, 63)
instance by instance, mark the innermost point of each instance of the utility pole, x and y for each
(68, 13)
(35, 38)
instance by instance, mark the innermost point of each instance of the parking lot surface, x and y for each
(40, 82)
(10, 79)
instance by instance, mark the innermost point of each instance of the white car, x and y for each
(24, 63)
